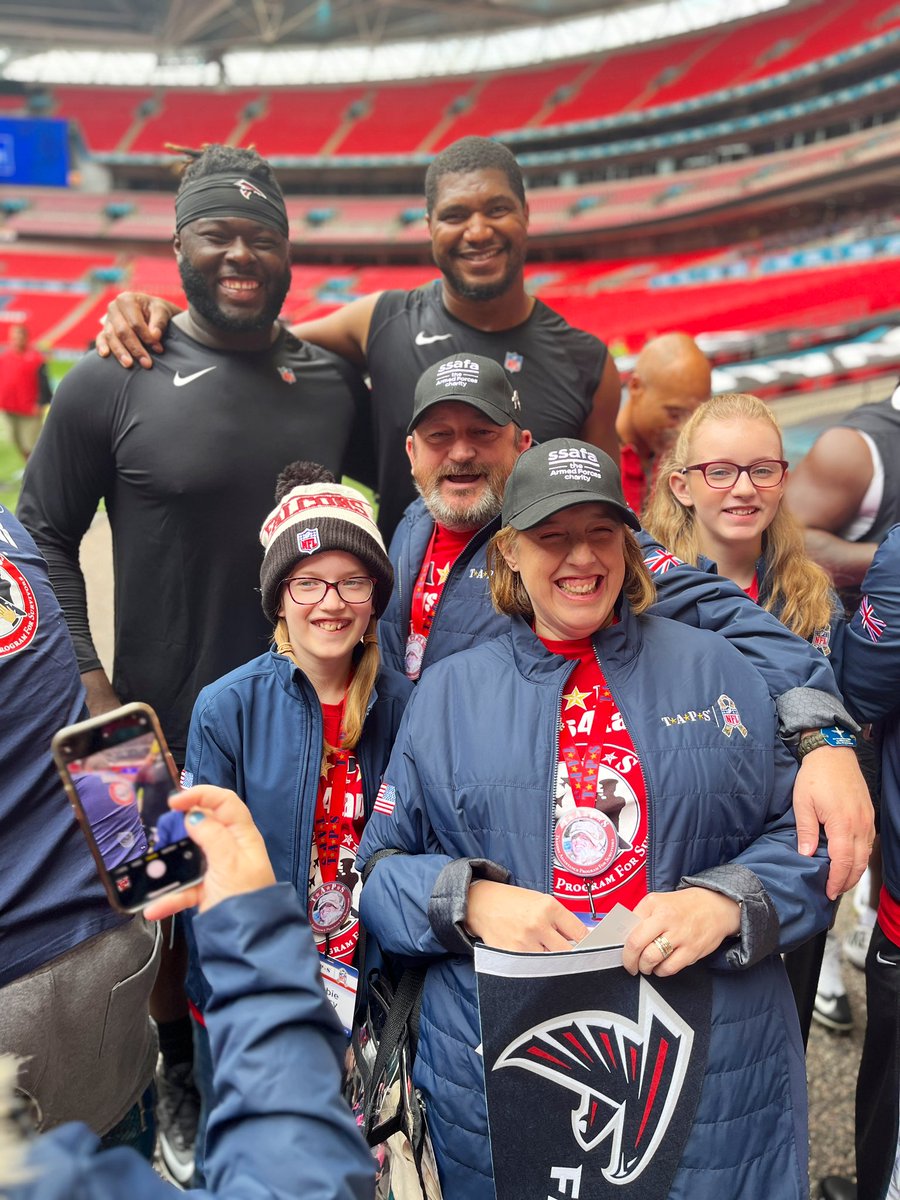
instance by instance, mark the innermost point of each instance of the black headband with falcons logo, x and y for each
(215, 196)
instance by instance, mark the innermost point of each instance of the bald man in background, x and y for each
(671, 378)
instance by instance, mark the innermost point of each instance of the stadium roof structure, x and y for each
(218, 25)
(221, 42)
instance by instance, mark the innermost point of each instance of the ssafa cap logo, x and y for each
(457, 373)
(248, 189)
(627, 1076)
(308, 541)
(18, 609)
(574, 463)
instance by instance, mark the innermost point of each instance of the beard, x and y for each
(480, 292)
(464, 514)
(200, 297)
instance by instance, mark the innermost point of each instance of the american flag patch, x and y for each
(386, 799)
(660, 561)
(187, 778)
(870, 623)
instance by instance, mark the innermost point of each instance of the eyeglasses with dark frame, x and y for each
(306, 589)
(721, 475)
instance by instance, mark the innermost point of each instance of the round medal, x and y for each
(329, 906)
(415, 651)
(585, 841)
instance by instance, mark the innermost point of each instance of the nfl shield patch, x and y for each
(308, 541)
(513, 362)
(287, 374)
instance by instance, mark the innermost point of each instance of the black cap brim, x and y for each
(498, 415)
(548, 506)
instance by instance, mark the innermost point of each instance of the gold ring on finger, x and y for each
(663, 944)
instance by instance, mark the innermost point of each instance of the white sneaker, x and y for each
(856, 943)
(832, 1006)
(862, 891)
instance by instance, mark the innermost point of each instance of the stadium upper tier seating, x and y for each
(649, 201)
(421, 117)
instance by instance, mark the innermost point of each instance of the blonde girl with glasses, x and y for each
(718, 501)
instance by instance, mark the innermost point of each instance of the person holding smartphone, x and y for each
(305, 730)
(270, 1025)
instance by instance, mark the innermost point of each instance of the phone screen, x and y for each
(122, 779)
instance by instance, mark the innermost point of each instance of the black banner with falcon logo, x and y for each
(592, 1076)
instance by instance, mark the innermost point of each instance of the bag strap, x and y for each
(376, 858)
(407, 998)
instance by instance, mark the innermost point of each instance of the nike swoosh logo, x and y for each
(425, 339)
(885, 962)
(180, 380)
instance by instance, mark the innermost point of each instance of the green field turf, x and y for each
(10, 476)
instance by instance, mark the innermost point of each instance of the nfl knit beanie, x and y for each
(312, 515)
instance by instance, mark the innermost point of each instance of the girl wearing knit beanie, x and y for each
(304, 732)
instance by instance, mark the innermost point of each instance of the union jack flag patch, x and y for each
(873, 626)
(386, 799)
(660, 561)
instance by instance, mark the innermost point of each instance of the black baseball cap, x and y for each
(558, 474)
(472, 379)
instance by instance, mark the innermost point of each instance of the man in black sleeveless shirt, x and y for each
(478, 222)
(846, 491)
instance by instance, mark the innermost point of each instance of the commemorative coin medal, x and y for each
(592, 1075)
(329, 907)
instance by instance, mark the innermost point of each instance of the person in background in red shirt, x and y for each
(24, 390)
(671, 378)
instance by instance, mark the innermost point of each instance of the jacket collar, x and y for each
(616, 646)
(295, 682)
(704, 563)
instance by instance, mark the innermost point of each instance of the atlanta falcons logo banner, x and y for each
(592, 1076)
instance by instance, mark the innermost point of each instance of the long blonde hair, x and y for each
(508, 593)
(359, 693)
(797, 590)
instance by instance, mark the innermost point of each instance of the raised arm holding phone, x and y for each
(280, 1127)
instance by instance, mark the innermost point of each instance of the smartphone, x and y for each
(118, 774)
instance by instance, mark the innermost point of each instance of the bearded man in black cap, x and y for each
(186, 458)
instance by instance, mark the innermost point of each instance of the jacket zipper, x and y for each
(306, 824)
(554, 771)
(651, 882)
